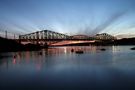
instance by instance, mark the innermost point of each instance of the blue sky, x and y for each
(68, 16)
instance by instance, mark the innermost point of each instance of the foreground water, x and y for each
(59, 68)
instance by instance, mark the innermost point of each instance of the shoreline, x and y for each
(8, 45)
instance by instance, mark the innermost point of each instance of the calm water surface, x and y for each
(59, 68)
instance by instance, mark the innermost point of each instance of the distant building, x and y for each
(104, 36)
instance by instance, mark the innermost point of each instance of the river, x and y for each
(59, 68)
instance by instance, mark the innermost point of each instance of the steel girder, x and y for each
(45, 34)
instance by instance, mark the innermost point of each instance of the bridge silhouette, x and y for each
(47, 37)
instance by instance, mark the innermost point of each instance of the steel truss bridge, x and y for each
(51, 37)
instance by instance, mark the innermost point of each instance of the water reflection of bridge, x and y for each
(51, 38)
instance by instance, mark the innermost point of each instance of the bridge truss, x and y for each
(44, 35)
(50, 37)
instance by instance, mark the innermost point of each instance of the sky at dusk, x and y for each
(68, 16)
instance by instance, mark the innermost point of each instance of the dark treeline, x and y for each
(7, 45)
(125, 41)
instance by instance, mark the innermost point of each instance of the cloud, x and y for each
(88, 30)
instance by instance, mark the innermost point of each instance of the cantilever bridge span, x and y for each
(49, 37)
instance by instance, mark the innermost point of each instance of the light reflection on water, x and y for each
(60, 68)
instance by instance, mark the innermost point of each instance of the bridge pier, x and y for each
(46, 45)
(19, 39)
(37, 36)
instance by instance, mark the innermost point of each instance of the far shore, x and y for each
(7, 45)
